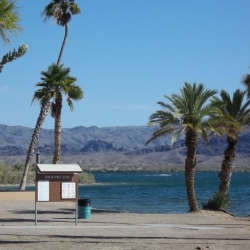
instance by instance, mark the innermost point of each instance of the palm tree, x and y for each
(58, 81)
(55, 82)
(238, 110)
(192, 114)
(61, 11)
(9, 20)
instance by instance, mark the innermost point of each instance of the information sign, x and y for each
(43, 191)
(68, 190)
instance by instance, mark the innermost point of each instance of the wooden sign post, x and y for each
(57, 183)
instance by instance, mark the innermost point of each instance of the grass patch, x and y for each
(218, 201)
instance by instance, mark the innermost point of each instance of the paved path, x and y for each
(151, 226)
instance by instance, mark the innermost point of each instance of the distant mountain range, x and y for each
(116, 148)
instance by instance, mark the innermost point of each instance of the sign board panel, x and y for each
(68, 190)
(43, 190)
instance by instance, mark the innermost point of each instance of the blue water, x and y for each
(147, 192)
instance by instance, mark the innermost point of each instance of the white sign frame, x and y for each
(68, 190)
(43, 191)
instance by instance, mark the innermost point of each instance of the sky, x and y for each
(126, 55)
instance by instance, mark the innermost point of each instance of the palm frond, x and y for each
(161, 132)
(185, 112)
(60, 11)
(246, 83)
(9, 20)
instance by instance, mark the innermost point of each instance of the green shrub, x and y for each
(12, 175)
(218, 201)
(86, 178)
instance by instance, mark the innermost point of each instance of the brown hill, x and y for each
(118, 148)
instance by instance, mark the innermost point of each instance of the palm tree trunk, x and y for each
(63, 44)
(190, 163)
(43, 113)
(227, 165)
(57, 126)
(58, 129)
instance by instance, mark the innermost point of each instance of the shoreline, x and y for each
(177, 169)
(29, 195)
(109, 230)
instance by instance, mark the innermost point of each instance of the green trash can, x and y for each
(84, 208)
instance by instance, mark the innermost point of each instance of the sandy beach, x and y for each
(56, 228)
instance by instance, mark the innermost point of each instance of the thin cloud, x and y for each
(9, 92)
(4, 89)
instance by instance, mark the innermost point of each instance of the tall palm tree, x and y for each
(58, 81)
(240, 111)
(61, 11)
(190, 113)
(9, 20)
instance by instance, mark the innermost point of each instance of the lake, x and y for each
(158, 192)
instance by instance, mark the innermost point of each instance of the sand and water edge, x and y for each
(56, 228)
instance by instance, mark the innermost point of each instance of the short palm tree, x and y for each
(55, 82)
(190, 113)
(58, 81)
(9, 20)
(61, 11)
(240, 111)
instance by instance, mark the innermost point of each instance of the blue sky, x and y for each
(126, 55)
